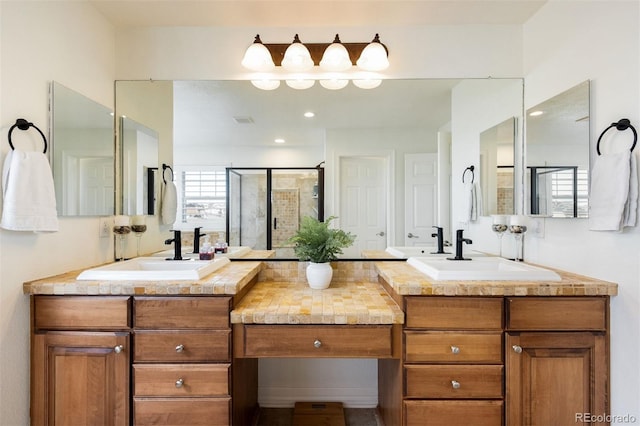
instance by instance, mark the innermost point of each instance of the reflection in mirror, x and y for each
(496, 168)
(210, 126)
(82, 154)
(140, 186)
(557, 155)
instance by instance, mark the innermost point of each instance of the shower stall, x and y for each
(265, 205)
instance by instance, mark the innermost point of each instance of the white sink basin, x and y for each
(154, 269)
(481, 268)
(427, 251)
(187, 253)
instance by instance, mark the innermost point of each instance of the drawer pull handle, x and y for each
(517, 349)
(455, 384)
(179, 383)
(317, 343)
(179, 348)
(455, 350)
(118, 349)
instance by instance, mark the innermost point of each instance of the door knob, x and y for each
(410, 235)
(380, 234)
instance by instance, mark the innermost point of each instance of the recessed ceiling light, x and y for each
(309, 114)
(279, 140)
(535, 113)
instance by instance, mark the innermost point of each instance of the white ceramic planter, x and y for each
(319, 275)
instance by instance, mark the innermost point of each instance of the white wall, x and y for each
(71, 43)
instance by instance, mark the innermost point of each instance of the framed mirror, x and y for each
(82, 158)
(139, 157)
(497, 168)
(362, 139)
(557, 155)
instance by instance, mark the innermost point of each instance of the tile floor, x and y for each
(353, 417)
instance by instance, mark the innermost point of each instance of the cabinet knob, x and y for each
(517, 349)
(179, 382)
(455, 350)
(118, 349)
(455, 384)
(179, 348)
(317, 343)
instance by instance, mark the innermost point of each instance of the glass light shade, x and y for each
(373, 57)
(368, 83)
(300, 84)
(334, 84)
(266, 84)
(335, 57)
(297, 57)
(257, 57)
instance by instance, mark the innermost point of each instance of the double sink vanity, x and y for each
(502, 342)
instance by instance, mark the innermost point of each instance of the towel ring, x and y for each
(165, 167)
(471, 169)
(621, 125)
(23, 124)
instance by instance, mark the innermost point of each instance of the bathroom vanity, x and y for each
(186, 352)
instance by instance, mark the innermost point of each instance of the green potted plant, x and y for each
(319, 244)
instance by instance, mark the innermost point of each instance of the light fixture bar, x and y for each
(316, 50)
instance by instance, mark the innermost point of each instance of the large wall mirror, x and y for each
(497, 168)
(557, 155)
(81, 135)
(375, 147)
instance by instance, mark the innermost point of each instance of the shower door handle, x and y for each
(275, 223)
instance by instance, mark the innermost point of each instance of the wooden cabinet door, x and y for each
(80, 378)
(556, 378)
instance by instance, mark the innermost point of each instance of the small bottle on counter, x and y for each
(206, 251)
(221, 246)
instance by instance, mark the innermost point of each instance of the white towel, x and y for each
(29, 200)
(169, 201)
(613, 197)
(471, 203)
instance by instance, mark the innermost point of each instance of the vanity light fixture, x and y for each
(300, 84)
(335, 57)
(297, 57)
(266, 84)
(257, 57)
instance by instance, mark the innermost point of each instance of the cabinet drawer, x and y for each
(452, 347)
(557, 313)
(181, 380)
(317, 341)
(81, 312)
(181, 346)
(181, 312)
(454, 313)
(454, 381)
(181, 411)
(448, 413)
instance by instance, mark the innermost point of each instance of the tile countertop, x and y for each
(296, 303)
(406, 280)
(229, 279)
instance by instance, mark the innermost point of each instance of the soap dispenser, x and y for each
(206, 251)
(221, 246)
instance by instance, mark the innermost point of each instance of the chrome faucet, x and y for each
(177, 244)
(460, 240)
(438, 234)
(196, 239)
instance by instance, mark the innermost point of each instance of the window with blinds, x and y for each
(203, 201)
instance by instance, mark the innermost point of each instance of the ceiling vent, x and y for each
(243, 120)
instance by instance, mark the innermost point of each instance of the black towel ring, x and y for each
(165, 167)
(23, 124)
(621, 125)
(471, 169)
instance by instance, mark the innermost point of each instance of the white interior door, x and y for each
(363, 202)
(421, 198)
(96, 185)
